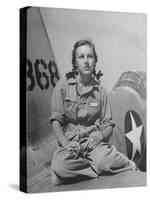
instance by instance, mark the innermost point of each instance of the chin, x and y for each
(87, 72)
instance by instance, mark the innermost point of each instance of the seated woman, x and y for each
(82, 122)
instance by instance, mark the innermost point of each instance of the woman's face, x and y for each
(85, 60)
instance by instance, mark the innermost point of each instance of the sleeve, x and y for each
(57, 105)
(106, 115)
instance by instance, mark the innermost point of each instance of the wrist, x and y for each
(101, 136)
(98, 138)
(65, 142)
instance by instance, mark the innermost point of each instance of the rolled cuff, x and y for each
(56, 116)
(102, 125)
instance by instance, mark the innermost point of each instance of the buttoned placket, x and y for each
(80, 101)
(78, 104)
(79, 98)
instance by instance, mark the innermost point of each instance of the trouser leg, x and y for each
(105, 158)
(66, 165)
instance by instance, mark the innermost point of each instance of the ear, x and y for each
(75, 68)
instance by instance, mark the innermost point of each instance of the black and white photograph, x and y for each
(84, 103)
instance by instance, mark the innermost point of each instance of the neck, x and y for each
(85, 79)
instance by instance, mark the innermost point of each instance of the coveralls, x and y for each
(82, 110)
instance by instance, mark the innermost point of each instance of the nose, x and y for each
(86, 60)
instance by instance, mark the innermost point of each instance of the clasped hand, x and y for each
(92, 143)
(88, 145)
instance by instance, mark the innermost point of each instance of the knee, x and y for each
(100, 162)
(101, 158)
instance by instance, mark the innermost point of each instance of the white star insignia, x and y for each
(134, 136)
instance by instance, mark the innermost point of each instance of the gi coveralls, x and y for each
(80, 110)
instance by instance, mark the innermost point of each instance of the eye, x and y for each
(90, 56)
(81, 56)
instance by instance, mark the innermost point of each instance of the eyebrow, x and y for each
(86, 54)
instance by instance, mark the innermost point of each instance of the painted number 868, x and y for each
(41, 74)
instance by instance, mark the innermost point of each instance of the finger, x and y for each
(76, 146)
(86, 144)
(92, 146)
(89, 144)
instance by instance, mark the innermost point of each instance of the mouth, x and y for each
(86, 67)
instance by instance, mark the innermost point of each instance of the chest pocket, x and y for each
(70, 107)
(70, 103)
(94, 107)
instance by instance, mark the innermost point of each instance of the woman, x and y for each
(82, 122)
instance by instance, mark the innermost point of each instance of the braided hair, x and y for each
(74, 71)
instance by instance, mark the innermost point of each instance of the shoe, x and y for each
(55, 180)
(134, 166)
